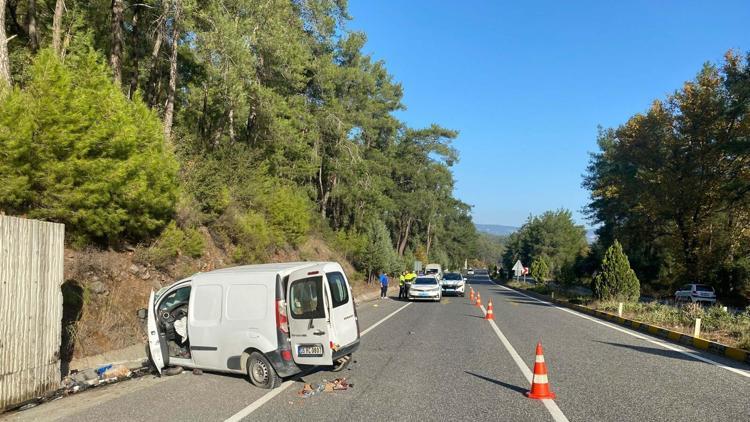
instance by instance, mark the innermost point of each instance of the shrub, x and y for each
(248, 233)
(75, 150)
(288, 210)
(616, 280)
(172, 243)
(540, 269)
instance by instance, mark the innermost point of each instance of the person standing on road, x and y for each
(383, 285)
(401, 285)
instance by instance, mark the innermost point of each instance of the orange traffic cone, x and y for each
(490, 314)
(540, 384)
(471, 296)
(479, 300)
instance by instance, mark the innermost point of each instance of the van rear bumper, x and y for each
(348, 349)
(285, 368)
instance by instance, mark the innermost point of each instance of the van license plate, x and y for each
(310, 350)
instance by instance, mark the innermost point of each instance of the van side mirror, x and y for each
(142, 313)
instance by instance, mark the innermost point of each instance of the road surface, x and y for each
(442, 361)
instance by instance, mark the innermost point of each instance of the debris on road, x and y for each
(173, 370)
(339, 384)
(197, 371)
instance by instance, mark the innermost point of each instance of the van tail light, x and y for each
(282, 322)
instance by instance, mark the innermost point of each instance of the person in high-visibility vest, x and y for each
(402, 285)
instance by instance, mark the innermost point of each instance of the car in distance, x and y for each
(695, 293)
(470, 271)
(425, 288)
(453, 283)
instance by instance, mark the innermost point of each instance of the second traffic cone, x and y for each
(490, 313)
(540, 383)
(471, 296)
(479, 300)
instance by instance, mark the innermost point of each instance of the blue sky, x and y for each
(527, 83)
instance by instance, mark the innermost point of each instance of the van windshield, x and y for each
(306, 297)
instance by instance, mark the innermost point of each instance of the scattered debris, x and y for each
(119, 371)
(339, 384)
(197, 371)
(173, 370)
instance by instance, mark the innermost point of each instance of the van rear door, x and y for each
(309, 328)
(154, 346)
(343, 315)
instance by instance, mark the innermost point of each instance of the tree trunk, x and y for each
(115, 52)
(153, 74)
(429, 240)
(4, 61)
(404, 237)
(136, 56)
(169, 106)
(231, 122)
(57, 26)
(31, 25)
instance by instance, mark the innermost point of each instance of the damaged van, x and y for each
(265, 321)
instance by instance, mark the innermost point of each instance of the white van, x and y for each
(435, 270)
(265, 321)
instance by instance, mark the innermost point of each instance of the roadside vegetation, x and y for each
(670, 195)
(717, 324)
(189, 135)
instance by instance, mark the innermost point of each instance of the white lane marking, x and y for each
(385, 319)
(551, 406)
(252, 407)
(638, 336)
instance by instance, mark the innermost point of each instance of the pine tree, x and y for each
(540, 269)
(616, 280)
(77, 151)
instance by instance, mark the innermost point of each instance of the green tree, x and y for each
(540, 269)
(672, 183)
(377, 253)
(77, 151)
(553, 235)
(615, 279)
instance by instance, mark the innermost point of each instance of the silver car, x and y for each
(695, 293)
(425, 288)
(453, 283)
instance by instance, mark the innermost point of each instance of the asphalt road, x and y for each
(442, 361)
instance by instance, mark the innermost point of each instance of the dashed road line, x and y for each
(551, 406)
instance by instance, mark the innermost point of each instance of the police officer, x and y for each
(402, 285)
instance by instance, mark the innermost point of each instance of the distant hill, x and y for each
(500, 230)
(496, 229)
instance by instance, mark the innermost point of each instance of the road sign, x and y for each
(525, 270)
(518, 268)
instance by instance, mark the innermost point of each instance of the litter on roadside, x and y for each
(339, 384)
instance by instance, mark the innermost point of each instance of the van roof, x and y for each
(266, 268)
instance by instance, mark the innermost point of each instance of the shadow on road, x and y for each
(652, 351)
(500, 383)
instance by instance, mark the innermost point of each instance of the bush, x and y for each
(567, 275)
(249, 235)
(172, 243)
(75, 150)
(616, 280)
(288, 210)
(540, 269)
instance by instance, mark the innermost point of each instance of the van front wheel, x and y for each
(261, 372)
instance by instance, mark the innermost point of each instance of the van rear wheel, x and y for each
(261, 372)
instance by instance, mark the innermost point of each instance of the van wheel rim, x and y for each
(259, 371)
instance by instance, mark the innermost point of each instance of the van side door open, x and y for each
(343, 314)
(154, 345)
(309, 316)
